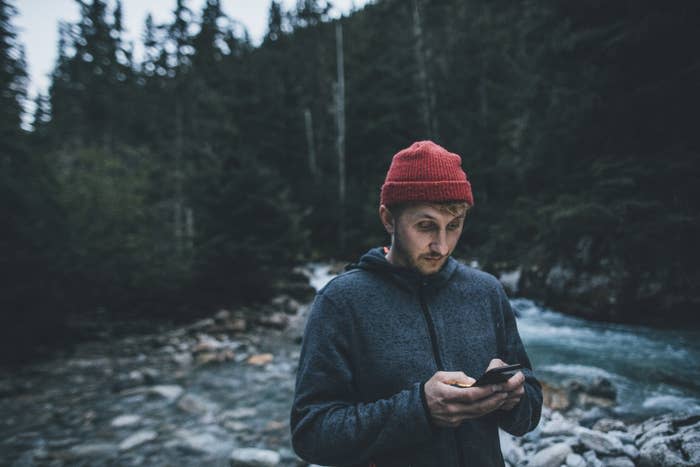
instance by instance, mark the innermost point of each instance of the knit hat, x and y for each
(426, 172)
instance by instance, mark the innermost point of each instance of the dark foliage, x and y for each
(195, 177)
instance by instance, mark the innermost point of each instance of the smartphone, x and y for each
(498, 375)
(493, 376)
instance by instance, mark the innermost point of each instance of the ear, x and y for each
(387, 219)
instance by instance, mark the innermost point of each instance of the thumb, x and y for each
(456, 378)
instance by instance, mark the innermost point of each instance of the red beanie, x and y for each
(426, 172)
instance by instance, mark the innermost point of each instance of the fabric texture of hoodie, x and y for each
(374, 336)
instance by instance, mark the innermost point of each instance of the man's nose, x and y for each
(439, 244)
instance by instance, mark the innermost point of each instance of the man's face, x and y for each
(424, 236)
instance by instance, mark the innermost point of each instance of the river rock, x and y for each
(238, 413)
(512, 452)
(102, 450)
(617, 462)
(183, 358)
(260, 359)
(137, 438)
(202, 442)
(558, 426)
(609, 424)
(253, 457)
(287, 304)
(169, 391)
(600, 442)
(222, 315)
(276, 320)
(195, 404)
(552, 456)
(591, 459)
(623, 436)
(631, 451)
(574, 460)
(125, 420)
(669, 440)
(554, 397)
(235, 425)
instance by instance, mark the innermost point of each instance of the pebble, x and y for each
(254, 457)
(137, 438)
(93, 450)
(240, 412)
(170, 392)
(260, 359)
(193, 404)
(201, 442)
(125, 420)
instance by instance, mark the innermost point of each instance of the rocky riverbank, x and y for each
(667, 441)
(218, 392)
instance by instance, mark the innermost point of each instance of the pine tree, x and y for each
(13, 81)
(274, 22)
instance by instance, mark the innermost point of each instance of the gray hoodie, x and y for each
(375, 335)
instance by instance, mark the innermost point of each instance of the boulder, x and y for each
(669, 440)
(601, 443)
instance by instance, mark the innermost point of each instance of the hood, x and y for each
(375, 262)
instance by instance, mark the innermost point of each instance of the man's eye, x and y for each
(425, 225)
(452, 226)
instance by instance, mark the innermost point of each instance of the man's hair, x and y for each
(456, 208)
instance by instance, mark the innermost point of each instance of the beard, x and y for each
(405, 257)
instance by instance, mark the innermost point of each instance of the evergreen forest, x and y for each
(198, 174)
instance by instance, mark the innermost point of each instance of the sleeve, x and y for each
(329, 424)
(526, 414)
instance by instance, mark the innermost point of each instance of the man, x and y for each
(386, 340)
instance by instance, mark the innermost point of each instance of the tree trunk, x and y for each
(308, 123)
(426, 89)
(340, 140)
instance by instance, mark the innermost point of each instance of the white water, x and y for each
(654, 371)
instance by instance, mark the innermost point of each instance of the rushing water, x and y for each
(654, 371)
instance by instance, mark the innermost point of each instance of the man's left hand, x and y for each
(514, 386)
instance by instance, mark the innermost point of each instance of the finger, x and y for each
(489, 404)
(508, 405)
(514, 382)
(452, 377)
(481, 407)
(495, 363)
(472, 394)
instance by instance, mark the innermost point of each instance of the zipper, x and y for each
(436, 354)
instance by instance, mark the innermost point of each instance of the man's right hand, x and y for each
(449, 406)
